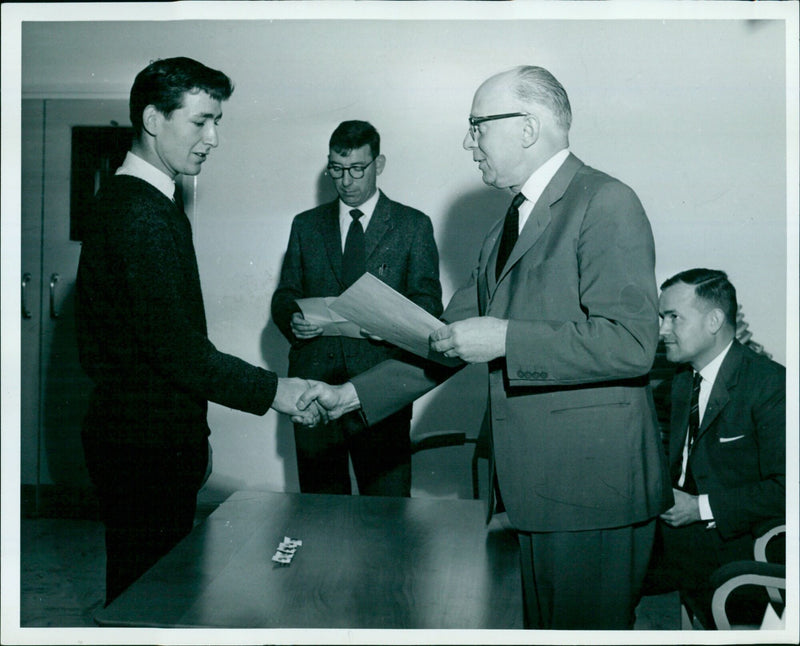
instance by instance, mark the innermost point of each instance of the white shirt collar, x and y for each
(534, 187)
(367, 208)
(138, 167)
(710, 371)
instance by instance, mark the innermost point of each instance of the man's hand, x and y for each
(475, 340)
(685, 511)
(287, 402)
(302, 329)
(335, 401)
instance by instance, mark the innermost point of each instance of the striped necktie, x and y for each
(694, 410)
(689, 485)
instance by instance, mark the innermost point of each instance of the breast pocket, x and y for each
(727, 440)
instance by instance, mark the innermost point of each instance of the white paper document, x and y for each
(382, 311)
(317, 310)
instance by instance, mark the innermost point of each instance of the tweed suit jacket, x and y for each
(141, 325)
(575, 441)
(739, 455)
(400, 250)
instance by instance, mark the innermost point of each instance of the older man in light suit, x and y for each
(562, 309)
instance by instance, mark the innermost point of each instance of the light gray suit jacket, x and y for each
(574, 433)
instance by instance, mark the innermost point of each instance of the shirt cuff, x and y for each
(705, 507)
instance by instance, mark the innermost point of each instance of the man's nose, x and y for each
(469, 141)
(210, 136)
(347, 178)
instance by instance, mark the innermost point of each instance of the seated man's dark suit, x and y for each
(401, 251)
(738, 460)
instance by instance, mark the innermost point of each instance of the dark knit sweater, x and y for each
(141, 324)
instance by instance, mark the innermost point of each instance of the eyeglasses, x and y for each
(356, 172)
(474, 122)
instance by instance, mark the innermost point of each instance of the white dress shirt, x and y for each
(367, 208)
(534, 187)
(708, 376)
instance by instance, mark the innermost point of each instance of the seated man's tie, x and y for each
(689, 484)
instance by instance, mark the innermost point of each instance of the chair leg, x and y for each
(476, 494)
(686, 618)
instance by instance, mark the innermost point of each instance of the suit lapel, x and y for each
(679, 417)
(486, 274)
(332, 237)
(543, 211)
(723, 384)
(379, 224)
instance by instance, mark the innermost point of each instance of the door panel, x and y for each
(63, 387)
(31, 229)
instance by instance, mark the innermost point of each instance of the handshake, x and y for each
(310, 402)
(474, 340)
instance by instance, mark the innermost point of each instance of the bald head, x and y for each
(510, 149)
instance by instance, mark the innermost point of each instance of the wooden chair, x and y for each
(767, 570)
(442, 439)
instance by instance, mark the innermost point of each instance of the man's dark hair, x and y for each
(164, 82)
(712, 286)
(350, 135)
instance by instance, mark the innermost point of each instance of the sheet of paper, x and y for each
(382, 311)
(317, 310)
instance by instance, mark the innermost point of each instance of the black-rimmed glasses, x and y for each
(474, 122)
(356, 172)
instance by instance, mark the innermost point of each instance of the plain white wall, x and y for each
(690, 113)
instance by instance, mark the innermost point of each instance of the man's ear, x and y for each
(380, 164)
(715, 320)
(151, 120)
(531, 129)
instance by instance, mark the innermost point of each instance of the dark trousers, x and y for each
(381, 456)
(684, 559)
(148, 499)
(585, 580)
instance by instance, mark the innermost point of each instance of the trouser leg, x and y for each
(148, 498)
(381, 455)
(322, 465)
(584, 580)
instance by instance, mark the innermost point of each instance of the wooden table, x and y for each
(365, 562)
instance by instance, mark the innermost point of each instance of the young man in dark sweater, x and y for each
(142, 332)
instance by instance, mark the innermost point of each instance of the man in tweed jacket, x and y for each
(400, 250)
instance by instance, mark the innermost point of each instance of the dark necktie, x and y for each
(177, 197)
(510, 233)
(694, 426)
(353, 260)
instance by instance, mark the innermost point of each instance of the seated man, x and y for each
(727, 447)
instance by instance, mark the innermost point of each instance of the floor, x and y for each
(61, 571)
